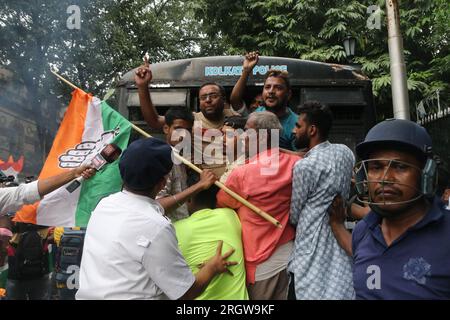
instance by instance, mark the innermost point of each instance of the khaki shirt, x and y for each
(214, 157)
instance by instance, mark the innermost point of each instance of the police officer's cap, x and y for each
(144, 163)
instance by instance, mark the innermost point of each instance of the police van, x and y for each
(176, 83)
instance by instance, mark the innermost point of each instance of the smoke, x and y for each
(36, 35)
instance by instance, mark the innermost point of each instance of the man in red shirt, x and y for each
(266, 181)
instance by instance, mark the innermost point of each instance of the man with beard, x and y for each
(400, 249)
(276, 95)
(319, 267)
(212, 113)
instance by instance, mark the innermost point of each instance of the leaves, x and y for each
(314, 30)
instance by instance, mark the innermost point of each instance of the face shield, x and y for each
(384, 182)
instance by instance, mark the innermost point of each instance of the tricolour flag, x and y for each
(88, 125)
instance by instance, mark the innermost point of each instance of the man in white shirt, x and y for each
(11, 199)
(130, 250)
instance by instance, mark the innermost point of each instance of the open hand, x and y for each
(219, 262)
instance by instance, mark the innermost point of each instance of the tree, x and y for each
(314, 29)
(112, 38)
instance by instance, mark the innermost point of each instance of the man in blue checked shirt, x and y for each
(319, 267)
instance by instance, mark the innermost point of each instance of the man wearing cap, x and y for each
(130, 249)
(400, 249)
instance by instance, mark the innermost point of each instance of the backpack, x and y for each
(70, 249)
(31, 260)
(68, 261)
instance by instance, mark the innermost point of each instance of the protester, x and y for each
(11, 199)
(198, 236)
(244, 110)
(232, 131)
(266, 181)
(211, 117)
(319, 267)
(137, 255)
(172, 197)
(399, 249)
(276, 95)
(256, 102)
(28, 263)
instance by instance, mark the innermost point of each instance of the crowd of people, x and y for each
(172, 233)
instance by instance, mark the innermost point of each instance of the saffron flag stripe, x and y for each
(87, 126)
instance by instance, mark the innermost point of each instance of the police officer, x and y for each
(400, 248)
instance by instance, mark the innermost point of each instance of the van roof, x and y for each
(225, 70)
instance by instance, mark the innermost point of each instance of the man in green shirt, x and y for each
(198, 236)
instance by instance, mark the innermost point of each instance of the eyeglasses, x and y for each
(213, 96)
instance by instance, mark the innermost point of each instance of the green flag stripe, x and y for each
(108, 180)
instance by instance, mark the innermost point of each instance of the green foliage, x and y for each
(115, 34)
(113, 37)
(313, 29)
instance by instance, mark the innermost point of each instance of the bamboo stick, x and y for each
(230, 192)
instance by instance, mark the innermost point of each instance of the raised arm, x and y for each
(236, 98)
(142, 78)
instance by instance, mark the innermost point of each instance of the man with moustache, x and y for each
(400, 249)
(211, 117)
(276, 95)
(266, 180)
(319, 267)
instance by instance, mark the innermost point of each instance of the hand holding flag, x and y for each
(88, 125)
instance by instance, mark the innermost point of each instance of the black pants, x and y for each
(36, 289)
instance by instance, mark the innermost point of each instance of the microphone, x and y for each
(108, 154)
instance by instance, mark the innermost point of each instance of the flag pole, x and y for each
(233, 194)
(65, 80)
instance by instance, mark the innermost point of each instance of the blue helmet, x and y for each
(396, 132)
(401, 134)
